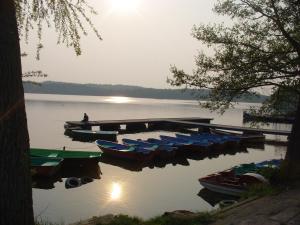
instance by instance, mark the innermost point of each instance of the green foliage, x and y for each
(44, 222)
(283, 102)
(67, 16)
(200, 219)
(124, 220)
(261, 48)
(260, 190)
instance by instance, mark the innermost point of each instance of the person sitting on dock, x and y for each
(85, 118)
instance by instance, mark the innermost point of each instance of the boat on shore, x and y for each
(45, 166)
(68, 155)
(228, 183)
(125, 151)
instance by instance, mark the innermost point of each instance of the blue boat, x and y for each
(125, 151)
(191, 146)
(164, 151)
(255, 167)
(216, 142)
(221, 140)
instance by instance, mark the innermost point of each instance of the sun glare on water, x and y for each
(125, 6)
(118, 99)
(116, 191)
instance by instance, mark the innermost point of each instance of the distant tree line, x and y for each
(51, 87)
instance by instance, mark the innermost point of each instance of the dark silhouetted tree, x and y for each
(260, 48)
(19, 17)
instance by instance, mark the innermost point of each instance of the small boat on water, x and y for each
(227, 182)
(164, 151)
(92, 135)
(268, 118)
(67, 155)
(125, 151)
(255, 167)
(45, 166)
(192, 146)
(244, 138)
(216, 142)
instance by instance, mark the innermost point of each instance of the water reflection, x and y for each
(213, 198)
(116, 191)
(182, 160)
(118, 99)
(84, 172)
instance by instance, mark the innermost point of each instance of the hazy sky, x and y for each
(141, 39)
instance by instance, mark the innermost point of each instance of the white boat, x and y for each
(228, 183)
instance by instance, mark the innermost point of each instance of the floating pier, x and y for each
(136, 125)
(150, 124)
(245, 130)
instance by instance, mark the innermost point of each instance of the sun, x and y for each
(125, 6)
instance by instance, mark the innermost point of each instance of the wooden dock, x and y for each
(138, 125)
(232, 128)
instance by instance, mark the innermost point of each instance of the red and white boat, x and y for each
(227, 182)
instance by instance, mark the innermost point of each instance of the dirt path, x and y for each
(281, 209)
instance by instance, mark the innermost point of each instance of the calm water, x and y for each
(143, 192)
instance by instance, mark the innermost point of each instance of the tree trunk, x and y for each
(293, 151)
(15, 187)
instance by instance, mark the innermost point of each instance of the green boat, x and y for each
(45, 166)
(67, 155)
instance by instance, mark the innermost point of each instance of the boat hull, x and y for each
(43, 166)
(223, 189)
(128, 155)
(89, 135)
(70, 157)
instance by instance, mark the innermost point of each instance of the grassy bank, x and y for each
(174, 218)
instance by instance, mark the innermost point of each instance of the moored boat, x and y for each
(125, 151)
(92, 135)
(45, 166)
(216, 142)
(268, 118)
(192, 146)
(227, 182)
(67, 155)
(244, 138)
(164, 151)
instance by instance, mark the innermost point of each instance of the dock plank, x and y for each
(234, 128)
(132, 121)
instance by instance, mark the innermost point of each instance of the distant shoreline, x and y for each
(63, 88)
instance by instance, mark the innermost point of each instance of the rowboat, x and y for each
(268, 118)
(67, 155)
(255, 167)
(216, 142)
(92, 135)
(227, 182)
(191, 146)
(45, 166)
(244, 138)
(222, 140)
(164, 151)
(182, 147)
(125, 151)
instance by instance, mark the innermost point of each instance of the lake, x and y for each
(127, 188)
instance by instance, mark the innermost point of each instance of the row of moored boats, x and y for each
(168, 146)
